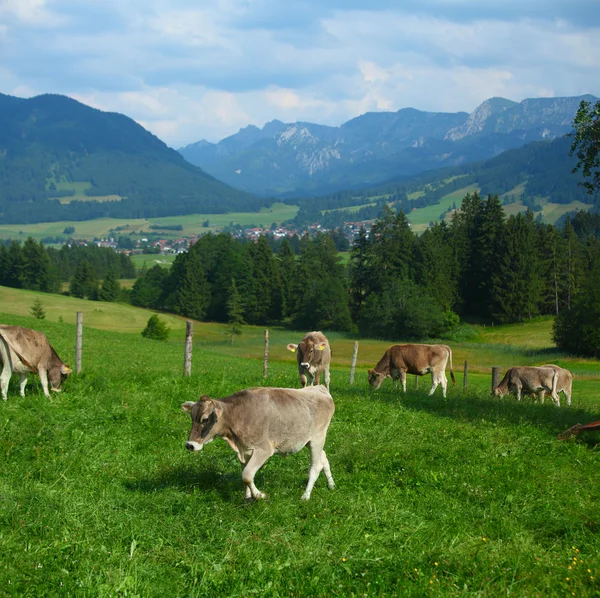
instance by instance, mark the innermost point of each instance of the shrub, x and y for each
(155, 329)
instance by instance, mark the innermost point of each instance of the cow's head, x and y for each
(205, 415)
(498, 391)
(57, 375)
(376, 378)
(306, 351)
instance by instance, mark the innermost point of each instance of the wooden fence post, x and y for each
(353, 364)
(78, 342)
(496, 376)
(266, 359)
(465, 373)
(187, 360)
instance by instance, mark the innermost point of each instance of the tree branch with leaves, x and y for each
(586, 144)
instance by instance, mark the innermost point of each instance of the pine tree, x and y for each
(84, 282)
(34, 270)
(235, 310)
(192, 292)
(109, 289)
(289, 278)
(156, 329)
(37, 310)
(360, 273)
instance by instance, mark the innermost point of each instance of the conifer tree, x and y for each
(109, 289)
(37, 310)
(235, 310)
(156, 329)
(289, 279)
(84, 282)
(34, 270)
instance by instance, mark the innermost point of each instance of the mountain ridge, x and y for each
(377, 146)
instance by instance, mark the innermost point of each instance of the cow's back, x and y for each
(285, 417)
(531, 378)
(32, 347)
(417, 357)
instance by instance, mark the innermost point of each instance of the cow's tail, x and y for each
(554, 385)
(451, 372)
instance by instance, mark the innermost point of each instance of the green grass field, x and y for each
(464, 496)
(192, 224)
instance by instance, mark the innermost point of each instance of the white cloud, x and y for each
(196, 69)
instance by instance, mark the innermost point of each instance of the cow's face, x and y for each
(205, 417)
(57, 376)
(306, 352)
(499, 392)
(375, 379)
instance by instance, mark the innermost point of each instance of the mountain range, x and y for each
(299, 159)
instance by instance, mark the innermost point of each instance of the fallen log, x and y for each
(591, 427)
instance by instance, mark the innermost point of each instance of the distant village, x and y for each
(180, 245)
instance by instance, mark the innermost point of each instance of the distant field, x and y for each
(421, 217)
(149, 260)
(192, 224)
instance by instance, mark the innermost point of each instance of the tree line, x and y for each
(480, 266)
(92, 271)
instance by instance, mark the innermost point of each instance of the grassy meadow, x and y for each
(464, 496)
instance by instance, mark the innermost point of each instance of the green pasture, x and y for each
(464, 496)
(149, 260)
(421, 217)
(192, 224)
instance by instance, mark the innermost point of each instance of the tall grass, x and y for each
(468, 495)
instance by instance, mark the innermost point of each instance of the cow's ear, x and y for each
(291, 347)
(204, 398)
(187, 406)
(218, 412)
(65, 369)
(369, 372)
(321, 346)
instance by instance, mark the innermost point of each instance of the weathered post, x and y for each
(353, 364)
(266, 359)
(465, 373)
(78, 342)
(496, 376)
(187, 360)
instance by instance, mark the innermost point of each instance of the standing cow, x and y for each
(314, 357)
(531, 380)
(419, 360)
(259, 422)
(23, 350)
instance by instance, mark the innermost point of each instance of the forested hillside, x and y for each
(62, 160)
(534, 175)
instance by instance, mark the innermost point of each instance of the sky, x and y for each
(188, 70)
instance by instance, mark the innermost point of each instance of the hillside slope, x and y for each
(62, 159)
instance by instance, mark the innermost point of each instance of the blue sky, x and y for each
(191, 70)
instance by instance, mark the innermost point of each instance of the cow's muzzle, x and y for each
(193, 446)
(305, 365)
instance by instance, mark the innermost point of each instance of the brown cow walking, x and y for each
(419, 360)
(259, 422)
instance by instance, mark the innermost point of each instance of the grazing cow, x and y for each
(564, 382)
(314, 357)
(259, 422)
(419, 360)
(23, 350)
(532, 380)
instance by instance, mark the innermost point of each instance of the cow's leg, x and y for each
(316, 464)
(567, 393)
(303, 379)
(327, 471)
(327, 377)
(256, 461)
(317, 378)
(555, 397)
(444, 383)
(403, 378)
(541, 396)
(44, 380)
(23, 383)
(435, 380)
(4, 379)
(518, 393)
